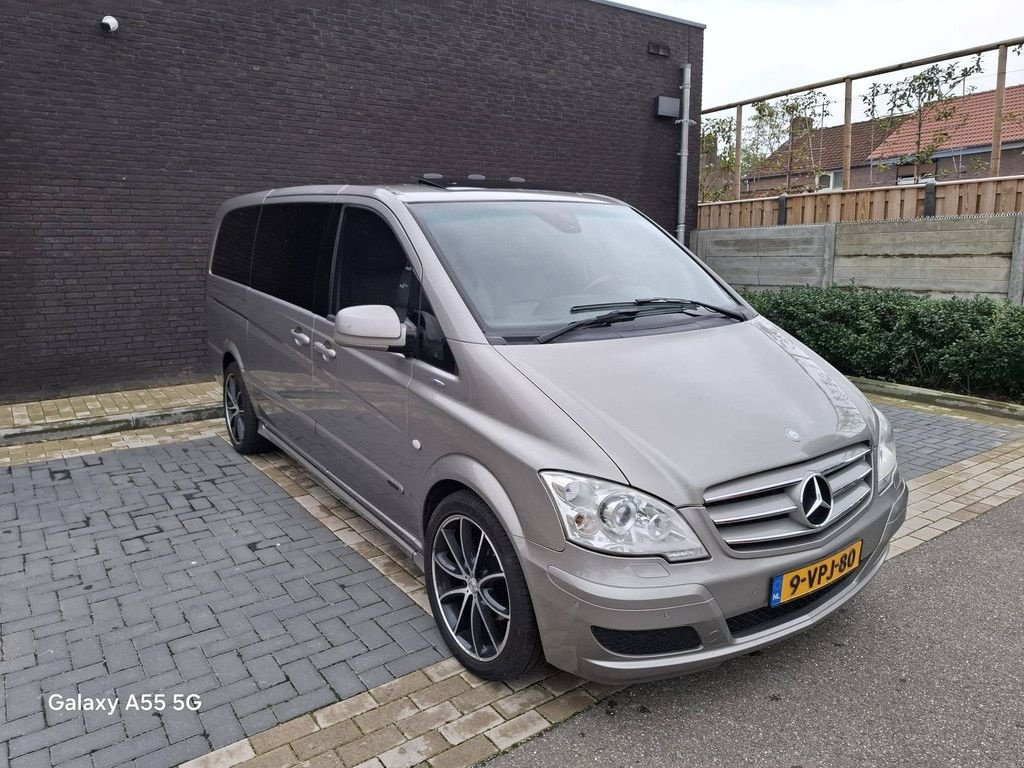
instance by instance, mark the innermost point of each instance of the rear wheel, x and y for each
(477, 591)
(239, 414)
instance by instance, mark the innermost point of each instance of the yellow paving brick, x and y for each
(562, 683)
(283, 734)
(322, 741)
(440, 691)
(565, 706)
(344, 710)
(371, 745)
(428, 720)
(386, 715)
(473, 724)
(516, 730)
(225, 757)
(414, 752)
(326, 760)
(442, 670)
(282, 757)
(483, 694)
(521, 701)
(465, 754)
(401, 686)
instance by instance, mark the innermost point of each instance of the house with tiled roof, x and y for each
(812, 159)
(956, 141)
(956, 138)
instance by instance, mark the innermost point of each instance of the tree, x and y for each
(789, 123)
(925, 94)
(717, 159)
(783, 134)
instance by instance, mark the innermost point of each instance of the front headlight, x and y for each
(886, 462)
(615, 518)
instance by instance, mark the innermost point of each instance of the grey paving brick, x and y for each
(37, 759)
(47, 737)
(180, 569)
(926, 442)
(344, 682)
(86, 743)
(175, 754)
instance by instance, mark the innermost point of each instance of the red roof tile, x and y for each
(968, 124)
(824, 147)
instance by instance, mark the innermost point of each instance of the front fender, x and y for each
(537, 523)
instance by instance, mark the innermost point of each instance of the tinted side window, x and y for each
(373, 269)
(289, 246)
(232, 255)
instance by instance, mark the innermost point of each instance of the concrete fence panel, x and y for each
(771, 257)
(943, 257)
(981, 255)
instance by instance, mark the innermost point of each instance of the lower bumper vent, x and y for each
(647, 642)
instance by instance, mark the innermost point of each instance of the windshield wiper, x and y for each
(617, 316)
(659, 301)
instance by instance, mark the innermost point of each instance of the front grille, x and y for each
(761, 511)
(647, 642)
(767, 617)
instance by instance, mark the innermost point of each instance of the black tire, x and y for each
(239, 414)
(520, 649)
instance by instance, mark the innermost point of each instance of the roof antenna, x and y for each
(431, 180)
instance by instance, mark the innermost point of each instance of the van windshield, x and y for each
(522, 266)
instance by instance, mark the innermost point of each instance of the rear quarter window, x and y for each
(232, 254)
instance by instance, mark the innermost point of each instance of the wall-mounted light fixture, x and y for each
(109, 24)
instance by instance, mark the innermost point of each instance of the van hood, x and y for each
(681, 412)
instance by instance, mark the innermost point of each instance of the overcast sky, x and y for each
(752, 47)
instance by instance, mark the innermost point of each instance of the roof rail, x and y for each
(479, 181)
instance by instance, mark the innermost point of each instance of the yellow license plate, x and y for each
(810, 578)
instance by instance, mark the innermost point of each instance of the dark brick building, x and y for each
(118, 147)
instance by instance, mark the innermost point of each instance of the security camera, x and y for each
(109, 24)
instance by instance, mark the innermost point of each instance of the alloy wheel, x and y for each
(233, 411)
(470, 588)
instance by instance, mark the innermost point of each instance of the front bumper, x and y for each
(576, 589)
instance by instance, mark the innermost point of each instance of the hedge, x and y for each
(971, 346)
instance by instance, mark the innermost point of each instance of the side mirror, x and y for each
(370, 326)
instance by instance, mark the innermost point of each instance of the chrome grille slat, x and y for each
(774, 479)
(757, 511)
(754, 509)
(842, 479)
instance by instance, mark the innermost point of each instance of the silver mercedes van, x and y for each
(599, 454)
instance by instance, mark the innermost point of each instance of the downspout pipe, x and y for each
(684, 153)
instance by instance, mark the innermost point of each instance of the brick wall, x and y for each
(117, 149)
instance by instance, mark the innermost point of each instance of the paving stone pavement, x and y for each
(180, 569)
(98, 592)
(928, 441)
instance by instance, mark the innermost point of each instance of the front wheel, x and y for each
(477, 591)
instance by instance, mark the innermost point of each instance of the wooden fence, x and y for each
(951, 198)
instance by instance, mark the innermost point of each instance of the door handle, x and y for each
(301, 339)
(325, 352)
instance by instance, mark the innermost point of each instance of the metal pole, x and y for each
(684, 154)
